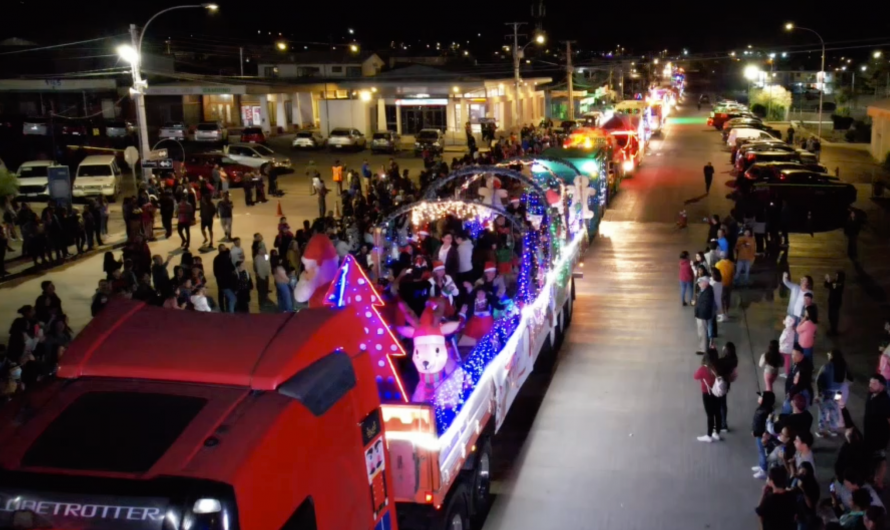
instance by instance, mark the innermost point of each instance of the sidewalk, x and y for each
(614, 440)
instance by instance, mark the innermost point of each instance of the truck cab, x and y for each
(265, 427)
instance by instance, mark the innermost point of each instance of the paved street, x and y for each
(609, 441)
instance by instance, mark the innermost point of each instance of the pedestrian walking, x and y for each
(709, 177)
(208, 212)
(320, 190)
(337, 172)
(704, 312)
(247, 183)
(168, 208)
(225, 209)
(686, 278)
(707, 377)
(719, 313)
(771, 363)
(216, 180)
(790, 133)
(186, 215)
(835, 299)
(852, 227)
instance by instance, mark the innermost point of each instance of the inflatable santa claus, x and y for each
(321, 262)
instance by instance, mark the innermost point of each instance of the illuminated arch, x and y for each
(485, 170)
(517, 223)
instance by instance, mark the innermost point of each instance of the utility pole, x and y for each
(241, 57)
(138, 94)
(570, 74)
(517, 108)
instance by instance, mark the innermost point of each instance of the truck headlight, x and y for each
(207, 505)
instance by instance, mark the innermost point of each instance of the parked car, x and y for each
(743, 162)
(766, 170)
(119, 129)
(173, 130)
(258, 157)
(308, 140)
(253, 135)
(431, 139)
(342, 138)
(719, 118)
(387, 141)
(97, 175)
(201, 165)
(211, 132)
(749, 133)
(35, 127)
(804, 189)
(32, 177)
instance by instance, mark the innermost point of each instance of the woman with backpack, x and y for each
(712, 387)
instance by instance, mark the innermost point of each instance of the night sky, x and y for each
(702, 28)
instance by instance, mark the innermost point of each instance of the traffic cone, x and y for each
(279, 213)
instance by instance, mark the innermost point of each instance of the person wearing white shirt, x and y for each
(237, 252)
(796, 296)
(199, 300)
(465, 254)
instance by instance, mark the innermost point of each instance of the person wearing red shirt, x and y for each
(706, 375)
(686, 277)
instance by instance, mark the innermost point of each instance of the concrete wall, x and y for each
(353, 113)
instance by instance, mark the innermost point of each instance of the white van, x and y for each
(748, 134)
(98, 175)
(33, 178)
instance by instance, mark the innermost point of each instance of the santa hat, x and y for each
(320, 249)
(438, 266)
(514, 200)
(496, 184)
(490, 267)
(427, 330)
(424, 230)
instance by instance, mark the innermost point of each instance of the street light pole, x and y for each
(790, 27)
(138, 90)
(517, 108)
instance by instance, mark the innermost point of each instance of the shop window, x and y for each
(270, 71)
(415, 118)
(353, 71)
(336, 69)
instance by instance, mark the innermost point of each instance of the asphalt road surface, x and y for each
(609, 440)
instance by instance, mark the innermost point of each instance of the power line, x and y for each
(58, 45)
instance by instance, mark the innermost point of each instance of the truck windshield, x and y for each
(33, 171)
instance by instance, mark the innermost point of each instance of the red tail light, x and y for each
(751, 156)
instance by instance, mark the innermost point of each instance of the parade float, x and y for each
(443, 396)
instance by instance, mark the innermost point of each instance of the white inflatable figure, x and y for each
(492, 194)
(322, 263)
(535, 220)
(442, 380)
(582, 195)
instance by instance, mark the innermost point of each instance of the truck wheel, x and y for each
(457, 511)
(481, 495)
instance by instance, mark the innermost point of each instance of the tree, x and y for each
(352, 287)
(776, 99)
(9, 185)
